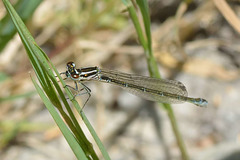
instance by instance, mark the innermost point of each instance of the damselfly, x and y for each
(153, 89)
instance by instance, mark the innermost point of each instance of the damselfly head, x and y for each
(72, 71)
(70, 65)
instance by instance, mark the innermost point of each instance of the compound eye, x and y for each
(75, 76)
(70, 65)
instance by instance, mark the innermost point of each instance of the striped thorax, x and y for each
(87, 73)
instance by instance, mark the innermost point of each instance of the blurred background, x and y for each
(193, 43)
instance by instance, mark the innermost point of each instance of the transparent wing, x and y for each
(153, 86)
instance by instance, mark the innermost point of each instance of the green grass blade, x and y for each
(64, 129)
(152, 65)
(96, 138)
(43, 70)
(136, 22)
(48, 82)
(25, 8)
(143, 5)
(145, 41)
(85, 120)
(18, 96)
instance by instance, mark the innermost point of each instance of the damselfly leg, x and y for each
(79, 90)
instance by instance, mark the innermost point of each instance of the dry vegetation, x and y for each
(197, 44)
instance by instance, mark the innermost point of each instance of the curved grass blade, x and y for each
(64, 129)
(51, 88)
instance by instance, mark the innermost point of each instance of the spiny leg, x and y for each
(87, 91)
(76, 87)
